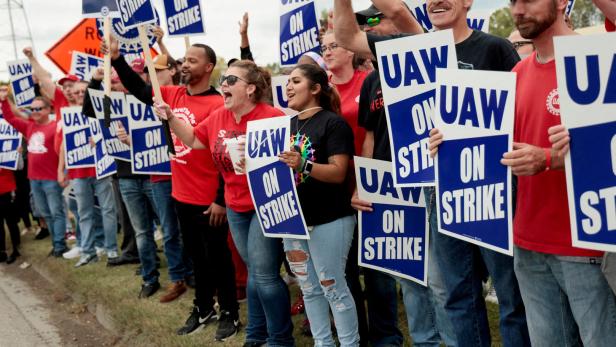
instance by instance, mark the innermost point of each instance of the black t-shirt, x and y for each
(480, 51)
(318, 138)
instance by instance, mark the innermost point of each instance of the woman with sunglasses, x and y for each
(322, 145)
(245, 87)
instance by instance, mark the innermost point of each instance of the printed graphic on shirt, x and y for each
(220, 152)
(552, 103)
(303, 144)
(465, 66)
(181, 149)
(37, 143)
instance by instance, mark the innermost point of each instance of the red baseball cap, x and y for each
(138, 65)
(67, 78)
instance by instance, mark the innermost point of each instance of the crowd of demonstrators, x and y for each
(211, 236)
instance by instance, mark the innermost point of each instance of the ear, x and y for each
(468, 4)
(250, 89)
(209, 67)
(316, 89)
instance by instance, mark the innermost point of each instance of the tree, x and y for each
(501, 22)
(585, 14)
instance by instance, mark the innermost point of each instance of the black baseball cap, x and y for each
(370, 12)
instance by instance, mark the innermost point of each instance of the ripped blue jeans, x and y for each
(319, 265)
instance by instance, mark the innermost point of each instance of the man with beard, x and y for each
(566, 296)
(196, 188)
(461, 265)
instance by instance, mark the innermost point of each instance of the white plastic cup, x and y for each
(235, 147)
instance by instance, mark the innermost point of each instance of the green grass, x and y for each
(146, 322)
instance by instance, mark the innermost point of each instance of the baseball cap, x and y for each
(162, 62)
(371, 11)
(138, 65)
(67, 78)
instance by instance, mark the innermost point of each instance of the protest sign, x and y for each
(420, 10)
(184, 17)
(20, 72)
(76, 131)
(279, 94)
(10, 141)
(271, 182)
(407, 69)
(134, 13)
(476, 19)
(119, 118)
(84, 64)
(299, 30)
(148, 144)
(479, 20)
(128, 39)
(393, 238)
(474, 112)
(104, 163)
(569, 8)
(586, 74)
(99, 8)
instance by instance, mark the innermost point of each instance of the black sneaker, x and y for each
(148, 289)
(228, 326)
(13, 257)
(58, 253)
(43, 233)
(196, 321)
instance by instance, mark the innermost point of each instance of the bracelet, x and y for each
(548, 158)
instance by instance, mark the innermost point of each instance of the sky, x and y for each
(50, 20)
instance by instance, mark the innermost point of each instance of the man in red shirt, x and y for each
(565, 294)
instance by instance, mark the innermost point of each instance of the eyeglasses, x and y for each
(331, 47)
(519, 44)
(231, 80)
(37, 109)
(373, 21)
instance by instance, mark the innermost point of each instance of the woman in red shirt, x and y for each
(8, 215)
(245, 87)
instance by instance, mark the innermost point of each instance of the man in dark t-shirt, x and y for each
(461, 265)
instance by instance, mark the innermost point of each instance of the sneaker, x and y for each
(148, 289)
(86, 259)
(173, 292)
(196, 321)
(58, 253)
(100, 251)
(13, 257)
(298, 307)
(112, 254)
(72, 236)
(121, 260)
(43, 233)
(75, 252)
(228, 326)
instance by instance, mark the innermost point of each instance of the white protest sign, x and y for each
(10, 142)
(279, 94)
(22, 83)
(76, 132)
(119, 118)
(184, 17)
(299, 30)
(82, 65)
(479, 20)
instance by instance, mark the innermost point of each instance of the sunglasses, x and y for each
(37, 109)
(373, 21)
(519, 44)
(231, 80)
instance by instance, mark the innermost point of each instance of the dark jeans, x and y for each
(213, 267)
(129, 243)
(22, 197)
(8, 215)
(382, 297)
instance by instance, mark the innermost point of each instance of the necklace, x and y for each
(309, 119)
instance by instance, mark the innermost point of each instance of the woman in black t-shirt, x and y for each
(322, 145)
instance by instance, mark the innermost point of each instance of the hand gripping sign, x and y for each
(76, 132)
(279, 94)
(586, 74)
(407, 68)
(118, 118)
(271, 182)
(20, 72)
(104, 163)
(184, 17)
(474, 112)
(393, 238)
(148, 145)
(299, 30)
(10, 141)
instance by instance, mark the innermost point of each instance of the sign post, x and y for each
(119, 118)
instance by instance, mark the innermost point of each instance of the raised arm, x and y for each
(159, 33)
(608, 7)
(245, 52)
(43, 76)
(348, 33)
(400, 15)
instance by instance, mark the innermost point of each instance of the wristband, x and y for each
(548, 158)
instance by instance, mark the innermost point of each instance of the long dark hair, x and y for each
(329, 98)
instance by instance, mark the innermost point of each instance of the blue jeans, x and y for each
(85, 190)
(99, 238)
(463, 268)
(319, 265)
(269, 307)
(172, 241)
(48, 199)
(566, 301)
(137, 194)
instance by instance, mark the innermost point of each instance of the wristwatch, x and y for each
(307, 167)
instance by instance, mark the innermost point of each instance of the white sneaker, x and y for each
(112, 254)
(100, 251)
(75, 252)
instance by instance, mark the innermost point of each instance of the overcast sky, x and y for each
(50, 20)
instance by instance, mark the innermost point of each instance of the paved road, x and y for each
(24, 319)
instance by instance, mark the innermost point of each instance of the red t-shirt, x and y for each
(213, 131)
(42, 159)
(349, 106)
(609, 26)
(7, 183)
(194, 178)
(541, 222)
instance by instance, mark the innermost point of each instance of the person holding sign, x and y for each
(42, 165)
(245, 88)
(556, 279)
(322, 148)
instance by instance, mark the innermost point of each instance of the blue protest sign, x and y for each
(148, 145)
(476, 19)
(128, 39)
(20, 72)
(119, 118)
(586, 74)
(10, 141)
(104, 163)
(99, 8)
(83, 65)
(299, 31)
(420, 10)
(474, 112)
(134, 13)
(271, 182)
(184, 17)
(76, 131)
(393, 238)
(279, 94)
(407, 69)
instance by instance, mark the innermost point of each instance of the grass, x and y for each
(146, 322)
